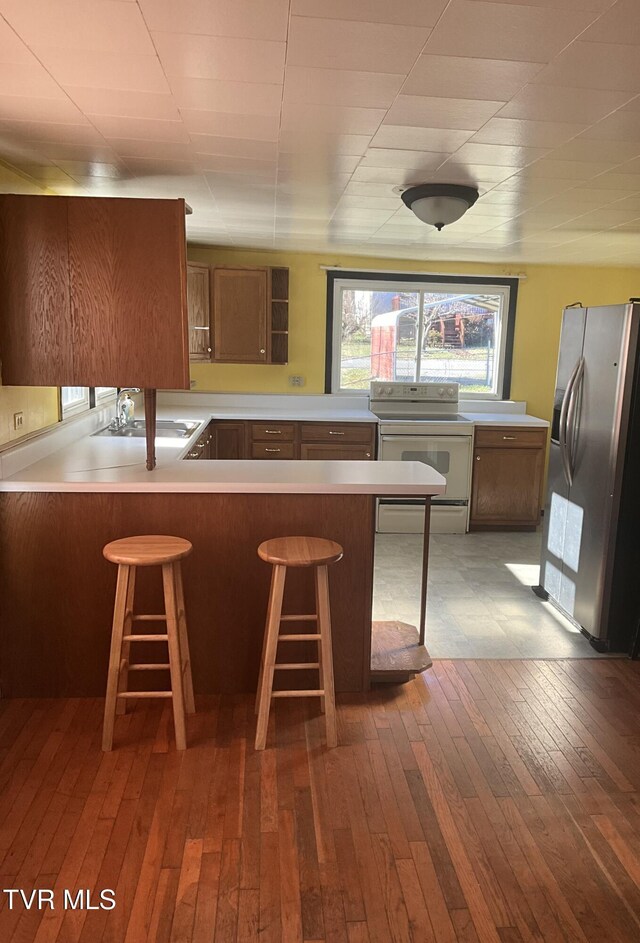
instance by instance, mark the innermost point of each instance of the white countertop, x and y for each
(505, 419)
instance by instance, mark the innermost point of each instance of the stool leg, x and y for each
(123, 679)
(174, 655)
(270, 647)
(264, 640)
(184, 641)
(324, 628)
(319, 645)
(113, 677)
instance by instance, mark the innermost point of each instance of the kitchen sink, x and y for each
(165, 429)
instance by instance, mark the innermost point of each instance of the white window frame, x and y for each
(77, 406)
(105, 394)
(360, 284)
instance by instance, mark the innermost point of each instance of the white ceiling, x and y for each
(288, 123)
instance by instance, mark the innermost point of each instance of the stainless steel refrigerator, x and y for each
(589, 566)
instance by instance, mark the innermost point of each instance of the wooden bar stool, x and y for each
(283, 552)
(130, 553)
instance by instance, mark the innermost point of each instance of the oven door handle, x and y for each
(426, 435)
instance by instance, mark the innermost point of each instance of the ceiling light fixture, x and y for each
(439, 204)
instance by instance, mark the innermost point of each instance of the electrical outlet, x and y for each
(193, 384)
(18, 420)
(296, 380)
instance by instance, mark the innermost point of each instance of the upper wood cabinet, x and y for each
(250, 312)
(93, 292)
(199, 313)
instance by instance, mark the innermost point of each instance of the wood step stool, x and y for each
(129, 553)
(283, 552)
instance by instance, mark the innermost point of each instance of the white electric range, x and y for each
(419, 422)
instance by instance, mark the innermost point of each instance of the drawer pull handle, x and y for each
(509, 438)
(368, 454)
(274, 431)
(335, 433)
(273, 450)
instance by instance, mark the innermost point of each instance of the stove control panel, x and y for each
(414, 392)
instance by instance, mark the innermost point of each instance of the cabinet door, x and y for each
(506, 486)
(36, 344)
(240, 315)
(128, 289)
(228, 440)
(198, 303)
(319, 452)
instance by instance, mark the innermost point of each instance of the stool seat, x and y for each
(147, 550)
(300, 551)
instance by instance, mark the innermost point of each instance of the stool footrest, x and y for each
(297, 693)
(153, 667)
(159, 618)
(145, 638)
(307, 618)
(298, 638)
(131, 694)
(291, 666)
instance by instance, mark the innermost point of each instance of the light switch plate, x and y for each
(296, 380)
(18, 421)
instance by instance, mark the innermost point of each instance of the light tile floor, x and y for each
(480, 602)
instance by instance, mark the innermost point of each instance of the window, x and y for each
(78, 399)
(420, 328)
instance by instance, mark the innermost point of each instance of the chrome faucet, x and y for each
(119, 421)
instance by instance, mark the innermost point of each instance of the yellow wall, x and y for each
(39, 406)
(541, 297)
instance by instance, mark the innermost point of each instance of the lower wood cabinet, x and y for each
(319, 441)
(508, 471)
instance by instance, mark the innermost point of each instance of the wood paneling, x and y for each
(36, 342)
(55, 641)
(483, 802)
(240, 315)
(127, 270)
(93, 292)
(198, 300)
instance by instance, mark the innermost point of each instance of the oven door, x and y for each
(448, 454)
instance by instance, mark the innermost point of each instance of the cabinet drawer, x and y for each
(267, 450)
(511, 437)
(269, 431)
(346, 433)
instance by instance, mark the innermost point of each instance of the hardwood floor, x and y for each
(484, 802)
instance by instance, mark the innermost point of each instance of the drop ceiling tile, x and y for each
(334, 119)
(105, 70)
(499, 155)
(156, 150)
(54, 110)
(43, 173)
(456, 113)
(256, 127)
(63, 150)
(127, 104)
(445, 140)
(573, 170)
(605, 66)
(140, 129)
(12, 49)
(232, 18)
(376, 202)
(299, 140)
(526, 33)
(482, 176)
(401, 12)
(523, 133)
(401, 159)
(619, 24)
(629, 167)
(328, 86)
(87, 25)
(234, 147)
(629, 183)
(27, 79)
(212, 57)
(357, 46)
(620, 126)
(152, 167)
(458, 77)
(248, 98)
(558, 103)
(83, 168)
(35, 131)
(262, 170)
(582, 148)
(397, 176)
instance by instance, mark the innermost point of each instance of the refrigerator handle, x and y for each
(571, 416)
(562, 434)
